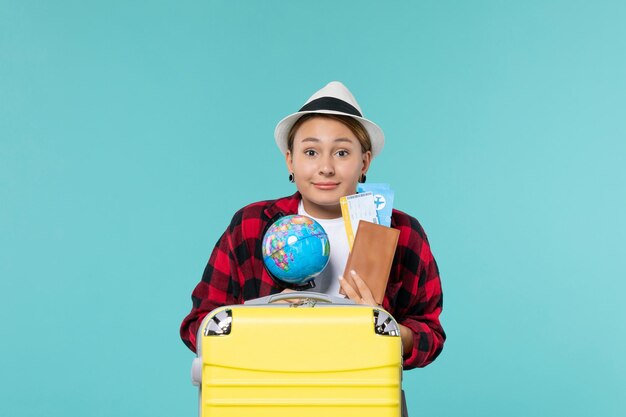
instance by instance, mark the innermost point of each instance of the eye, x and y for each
(342, 153)
(310, 152)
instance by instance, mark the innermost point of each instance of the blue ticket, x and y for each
(383, 198)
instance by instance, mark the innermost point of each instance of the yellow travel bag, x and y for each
(310, 355)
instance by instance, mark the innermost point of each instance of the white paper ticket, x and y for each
(357, 207)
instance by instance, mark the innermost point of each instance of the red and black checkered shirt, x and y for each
(235, 273)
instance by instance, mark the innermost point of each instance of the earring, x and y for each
(291, 178)
(362, 179)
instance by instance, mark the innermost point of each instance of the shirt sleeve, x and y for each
(218, 287)
(420, 300)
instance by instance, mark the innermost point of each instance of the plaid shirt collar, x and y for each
(284, 206)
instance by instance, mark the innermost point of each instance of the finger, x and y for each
(364, 290)
(349, 290)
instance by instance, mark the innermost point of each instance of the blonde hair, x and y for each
(350, 122)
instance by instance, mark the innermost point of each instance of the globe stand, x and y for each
(296, 287)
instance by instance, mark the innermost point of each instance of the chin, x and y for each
(326, 198)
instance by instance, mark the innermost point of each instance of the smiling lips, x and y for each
(326, 185)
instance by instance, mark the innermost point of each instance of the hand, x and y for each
(361, 294)
(406, 335)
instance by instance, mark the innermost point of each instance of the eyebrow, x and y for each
(311, 139)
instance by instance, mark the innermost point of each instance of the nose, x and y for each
(326, 167)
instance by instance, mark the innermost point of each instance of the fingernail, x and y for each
(352, 272)
(340, 278)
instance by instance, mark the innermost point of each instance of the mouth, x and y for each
(326, 185)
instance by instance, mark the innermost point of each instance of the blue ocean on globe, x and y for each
(295, 249)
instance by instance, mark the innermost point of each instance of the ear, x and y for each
(367, 160)
(289, 161)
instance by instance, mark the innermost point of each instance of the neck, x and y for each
(322, 212)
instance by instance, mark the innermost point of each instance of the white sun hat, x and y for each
(334, 98)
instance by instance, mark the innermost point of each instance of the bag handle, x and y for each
(300, 295)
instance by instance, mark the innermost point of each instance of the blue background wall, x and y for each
(131, 131)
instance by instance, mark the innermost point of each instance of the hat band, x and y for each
(331, 103)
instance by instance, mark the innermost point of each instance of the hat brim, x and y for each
(377, 137)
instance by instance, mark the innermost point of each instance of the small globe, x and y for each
(295, 249)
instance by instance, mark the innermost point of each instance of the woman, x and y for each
(328, 147)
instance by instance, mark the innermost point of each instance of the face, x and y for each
(327, 162)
